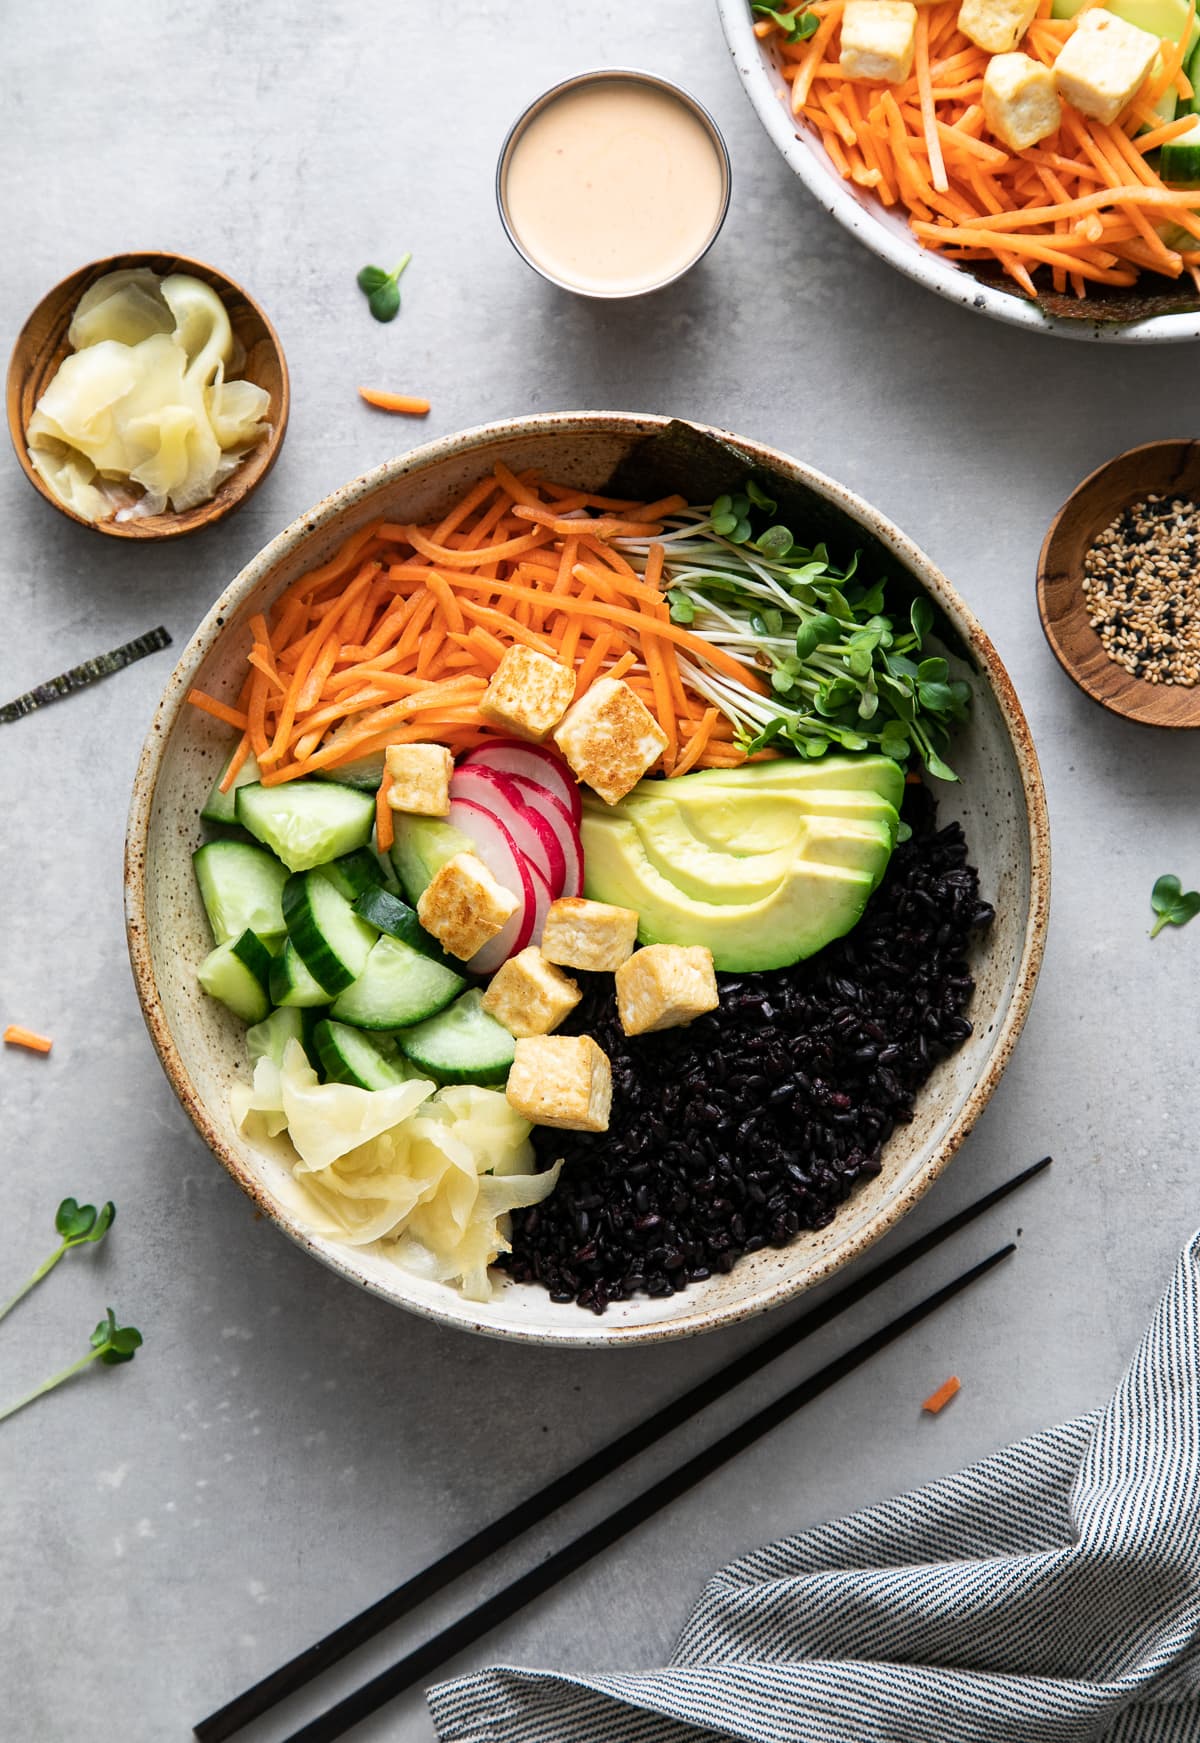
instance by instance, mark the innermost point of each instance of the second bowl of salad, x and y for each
(586, 877)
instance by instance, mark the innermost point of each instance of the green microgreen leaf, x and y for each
(110, 1343)
(382, 289)
(76, 1224)
(1173, 905)
(759, 499)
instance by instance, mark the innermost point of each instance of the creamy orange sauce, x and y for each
(614, 187)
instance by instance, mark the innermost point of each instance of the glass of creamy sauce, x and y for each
(613, 184)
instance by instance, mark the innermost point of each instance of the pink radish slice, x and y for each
(558, 817)
(533, 762)
(542, 898)
(500, 794)
(500, 854)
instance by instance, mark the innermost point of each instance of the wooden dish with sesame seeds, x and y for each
(1167, 470)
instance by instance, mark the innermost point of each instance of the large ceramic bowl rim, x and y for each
(890, 243)
(578, 1329)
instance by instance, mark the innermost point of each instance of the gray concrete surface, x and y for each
(284, 1448)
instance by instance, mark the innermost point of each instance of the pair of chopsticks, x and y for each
(338, 1719)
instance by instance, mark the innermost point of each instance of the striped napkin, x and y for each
(1048, 1594)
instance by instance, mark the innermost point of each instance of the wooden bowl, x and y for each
(999, 800)
(1156, 468)
(42, 344)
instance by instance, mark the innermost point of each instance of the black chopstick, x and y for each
(427, 1657)
(289, 1678)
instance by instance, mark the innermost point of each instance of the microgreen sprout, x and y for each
(78, 1225)
(1173, 905)
(796, 26)
(382, 289)
(110, 1343)
(840, 670)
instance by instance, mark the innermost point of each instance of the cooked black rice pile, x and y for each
(759, 1119)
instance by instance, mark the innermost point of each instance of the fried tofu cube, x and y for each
(610, 738)
(528, 693)
(1020, 103)
(665, 986)
(419, 778)
(1103, 64)
(529, 995)
(996, 25)
(464, 905)
(561, 1080)
(878, 38)
(596, 936)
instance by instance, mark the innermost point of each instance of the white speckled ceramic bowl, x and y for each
(886, 233)
(1000, 801)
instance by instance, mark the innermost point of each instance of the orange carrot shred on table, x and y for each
(16, 1036)
(937, 1401)
(395, 402)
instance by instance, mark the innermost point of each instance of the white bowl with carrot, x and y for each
(519, 487)
(1090, 230)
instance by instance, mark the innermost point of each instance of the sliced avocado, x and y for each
(811, 906)
(420, 847)
(744, 877)
(791, 774)
(732, 820)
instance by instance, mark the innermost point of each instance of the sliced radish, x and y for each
(533, 762)
(558, 817)
(542, 898)
(534, 836)
(501, 855)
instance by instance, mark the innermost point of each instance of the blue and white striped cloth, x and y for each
(1048, 1594)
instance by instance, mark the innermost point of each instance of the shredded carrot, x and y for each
(385, 829)
(16, 1036)
(922, 144)
(395, 402)
(395, 638)
(938, 1400)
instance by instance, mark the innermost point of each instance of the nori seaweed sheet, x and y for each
(90, 672)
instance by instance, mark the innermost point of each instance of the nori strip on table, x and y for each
(90, 672)
(687, 461)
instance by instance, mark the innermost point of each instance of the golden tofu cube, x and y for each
(1020, 103)
(529, 995)
(996, 25)
(610, 738)
(596, 936)
(1103, 64)
(419, 778)
(561, 1080)
(878, 39)
(665, 986)
(528, 693)
(464, 905)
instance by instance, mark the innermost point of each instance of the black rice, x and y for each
(759, 1119)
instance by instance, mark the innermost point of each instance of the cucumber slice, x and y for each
(291, 984)
(268, 1039)
(349, 1056)
(306, 823)
(221, 807)
(241, 887)
(421, 846)
(399, 986)
(462, 1044)
(236, 973)
(387, 913)
(354, 873)
(364, 773)
(1179, 159)
(331, 939)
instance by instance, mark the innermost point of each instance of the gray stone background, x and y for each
(285, 1449)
